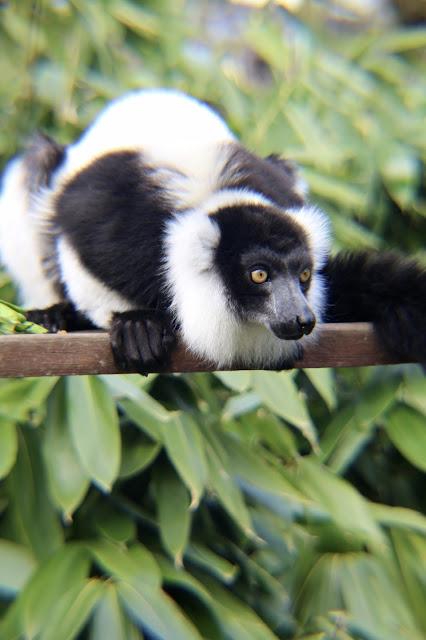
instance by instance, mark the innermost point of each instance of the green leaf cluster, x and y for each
(228, 506)
(210, 506)
(13, 320)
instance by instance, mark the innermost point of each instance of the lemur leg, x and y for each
(60, 317)
(141, 340)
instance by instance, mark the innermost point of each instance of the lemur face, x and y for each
(265, 263)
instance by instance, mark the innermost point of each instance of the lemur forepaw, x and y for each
(52, 318)
(60, 317)
(141, 341)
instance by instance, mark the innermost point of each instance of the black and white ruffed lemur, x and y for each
(158, 223)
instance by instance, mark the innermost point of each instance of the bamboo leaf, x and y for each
(31, 517)
(72, 610)
(228, 492)
(67, 480)
(324, 382)
(335, 190)
(16, 565)
(63, 573)
(263, 482)
(174, 517)
(212, 562)
(238, 405)
(128, 385)
(280, 394)
(238, 620)
(114, 525)
(147, 414)
(93, 423)
(185, 450)
(108, 619)
(413, 392)
(137, 456)
(401, 40)
(209, 622)
(135, 566)
(352, 426)
(406, 427)
(157, 613)
(18, 397)
(8, 446)
(345, 505)
(399, 517)
(236, 380)
(263, 427)
(138, 19)
(410, 549)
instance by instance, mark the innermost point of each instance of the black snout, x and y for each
(292, 317)
(294, 329)
(306, 323)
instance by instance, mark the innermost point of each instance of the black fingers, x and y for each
(141, 341)
(60, 317)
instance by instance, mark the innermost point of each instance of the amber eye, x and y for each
(259, 276)
(305, 276)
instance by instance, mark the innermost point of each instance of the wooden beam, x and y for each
(337, 345)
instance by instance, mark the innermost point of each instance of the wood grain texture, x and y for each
(338, 345)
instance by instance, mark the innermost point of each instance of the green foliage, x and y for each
(13, 320)
(228, 506)
(213, 525)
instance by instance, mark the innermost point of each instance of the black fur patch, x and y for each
(254, 236)
(273, 177)
(383, 288)
(114, 213)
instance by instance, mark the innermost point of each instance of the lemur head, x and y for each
(266, 264)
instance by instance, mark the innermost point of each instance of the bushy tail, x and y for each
(384, 288)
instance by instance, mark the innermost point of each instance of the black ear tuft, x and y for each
(273, 177)
(290, 170)
(42, 157)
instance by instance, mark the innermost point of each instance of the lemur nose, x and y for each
(306, 323)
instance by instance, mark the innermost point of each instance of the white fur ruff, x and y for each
(316, 226)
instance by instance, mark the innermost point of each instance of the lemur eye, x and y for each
(259, 276)
(305, 276)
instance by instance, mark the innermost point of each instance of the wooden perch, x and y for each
(338, 345)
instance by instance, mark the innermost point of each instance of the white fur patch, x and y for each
(89, 294)
(233, 198)
(20, 241)
(171, 130)
(317, 229)
(316, 225)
